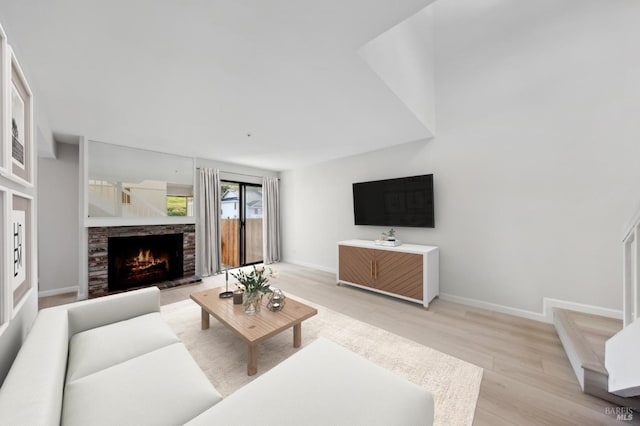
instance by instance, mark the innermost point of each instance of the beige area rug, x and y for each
(222, 355)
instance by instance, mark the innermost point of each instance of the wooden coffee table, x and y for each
(253, 329)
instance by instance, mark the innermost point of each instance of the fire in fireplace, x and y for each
(144, 260)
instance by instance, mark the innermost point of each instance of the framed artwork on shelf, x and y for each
(19, 140)
(4, 82)
(19, 259)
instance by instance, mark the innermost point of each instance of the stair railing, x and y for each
(140, 207)
(110, 196)
(631, 273)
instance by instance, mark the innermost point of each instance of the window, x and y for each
(179, 205)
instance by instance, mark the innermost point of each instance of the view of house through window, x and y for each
(241, 224)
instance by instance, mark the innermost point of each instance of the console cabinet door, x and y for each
(356, 265)
(399, 273)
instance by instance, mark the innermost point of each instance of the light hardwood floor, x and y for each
(527, 377)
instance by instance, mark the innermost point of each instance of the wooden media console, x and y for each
(408, 271)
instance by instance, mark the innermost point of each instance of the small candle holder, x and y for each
(226, 294)
(237, 296)
(276, 300)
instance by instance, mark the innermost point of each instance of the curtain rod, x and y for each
(239, 174)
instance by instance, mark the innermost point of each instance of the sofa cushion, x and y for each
(100, 311)
(99, 348)
(163, 387)
(324, 384)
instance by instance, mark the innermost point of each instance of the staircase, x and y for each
(584, 337)
(623, 349)
(604, 352)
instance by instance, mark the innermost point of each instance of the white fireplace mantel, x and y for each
(92, 222)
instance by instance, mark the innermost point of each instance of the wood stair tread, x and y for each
(583, 348)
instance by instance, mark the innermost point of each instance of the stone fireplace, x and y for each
(127, 257)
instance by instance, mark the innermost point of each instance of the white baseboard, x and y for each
(57, 291)
(547, 308)
(311, 265)
(549, 304)
(494, 307)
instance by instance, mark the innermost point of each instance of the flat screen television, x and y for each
(406, 201)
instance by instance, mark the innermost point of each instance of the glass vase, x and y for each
(252, 302)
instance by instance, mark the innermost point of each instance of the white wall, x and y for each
(13, 333)
(317, 204)
(403, 58)
(535, 160)
(58, 221)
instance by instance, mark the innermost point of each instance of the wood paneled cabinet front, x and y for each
(357, 265)
(393, 271)
(398, 273)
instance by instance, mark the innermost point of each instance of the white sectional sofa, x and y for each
(114, 361)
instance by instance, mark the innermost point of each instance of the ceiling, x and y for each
(271, 84)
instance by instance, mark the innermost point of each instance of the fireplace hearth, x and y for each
(134, 261)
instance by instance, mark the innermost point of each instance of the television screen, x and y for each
(404, 201)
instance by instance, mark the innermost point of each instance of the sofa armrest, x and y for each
(32, 391)
(94, 313)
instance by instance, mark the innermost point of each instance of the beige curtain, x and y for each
(208, 221)
(271, 219)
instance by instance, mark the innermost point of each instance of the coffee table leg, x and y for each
(297, 335)
(205, 319)
(252, 360)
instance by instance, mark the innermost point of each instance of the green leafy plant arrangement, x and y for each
(389, 235)
(256, 280)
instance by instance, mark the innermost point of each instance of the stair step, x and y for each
(586, 334)
(583, 337)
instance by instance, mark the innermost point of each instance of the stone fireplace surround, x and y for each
(98, 267)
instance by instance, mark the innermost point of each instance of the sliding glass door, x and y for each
(241, 224)
(251, 237)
